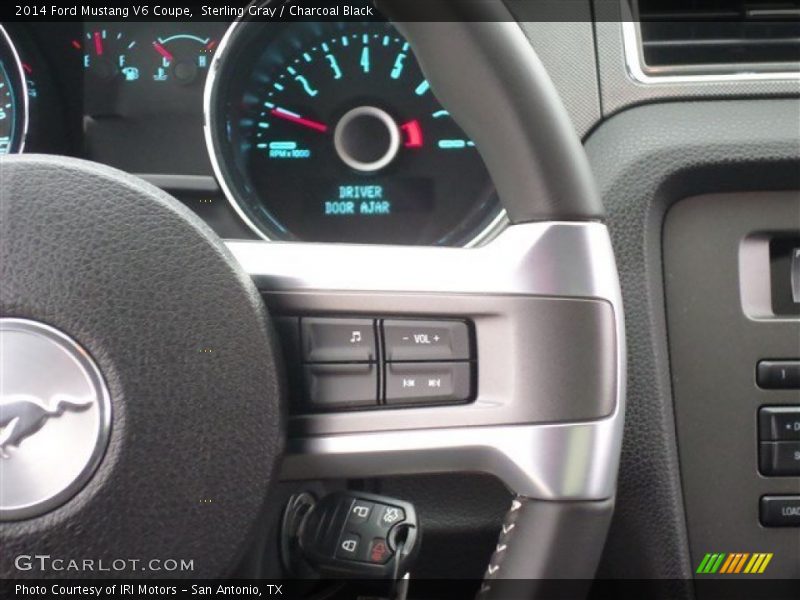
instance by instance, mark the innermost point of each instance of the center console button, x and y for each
(780, 459)
(778, 374)
(779, 423)
(780, 511)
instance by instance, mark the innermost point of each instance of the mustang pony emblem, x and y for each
(22, 415)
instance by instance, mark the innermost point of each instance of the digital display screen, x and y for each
(368, 200)
(383, 209)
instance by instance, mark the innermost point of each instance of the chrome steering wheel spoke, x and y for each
(545, 303)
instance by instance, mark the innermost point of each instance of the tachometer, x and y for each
(331, 132)
(13, 98)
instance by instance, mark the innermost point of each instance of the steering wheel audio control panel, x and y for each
(367, 363)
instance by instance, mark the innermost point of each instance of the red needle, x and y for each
(290, 116)
(98, 43)
(163, 51)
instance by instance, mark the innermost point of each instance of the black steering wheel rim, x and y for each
(184, 344)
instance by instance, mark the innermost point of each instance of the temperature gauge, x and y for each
(183, 58)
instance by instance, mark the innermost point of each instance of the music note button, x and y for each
(338, 340)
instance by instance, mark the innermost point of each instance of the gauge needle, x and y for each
(413, 132)
(163, 51)
(98, 43)
(287, 115)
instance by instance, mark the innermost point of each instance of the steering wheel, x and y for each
(129, 303)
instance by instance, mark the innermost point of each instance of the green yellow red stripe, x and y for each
(736, 563)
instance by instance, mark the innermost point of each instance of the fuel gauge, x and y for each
(183, 58)
(109, 55)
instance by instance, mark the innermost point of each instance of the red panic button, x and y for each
(379, 551)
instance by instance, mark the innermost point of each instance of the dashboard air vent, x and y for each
(719, 36)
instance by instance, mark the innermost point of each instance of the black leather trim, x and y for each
(543, 545)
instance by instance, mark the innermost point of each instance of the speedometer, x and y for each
(13, 98)
(331, 132)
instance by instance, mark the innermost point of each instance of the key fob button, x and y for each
(349, 545)
(360, 512)
(379, 552)
(388, 516)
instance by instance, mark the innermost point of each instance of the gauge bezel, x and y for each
(20, 89)
(210, 125)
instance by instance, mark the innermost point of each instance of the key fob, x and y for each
(360, 535)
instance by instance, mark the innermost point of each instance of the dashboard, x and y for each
(322, 132)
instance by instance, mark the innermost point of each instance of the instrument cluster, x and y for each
(311, 131)
(331, 132)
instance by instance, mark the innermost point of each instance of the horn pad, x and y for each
(183, 342)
